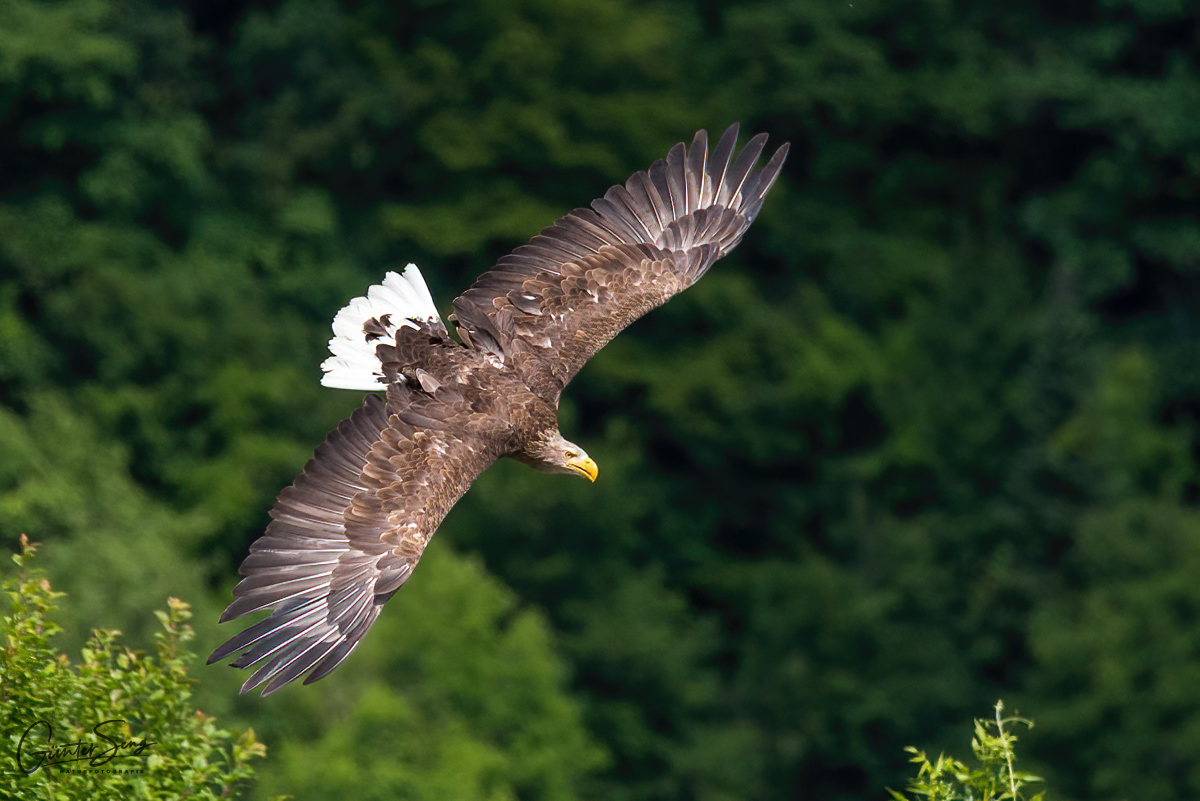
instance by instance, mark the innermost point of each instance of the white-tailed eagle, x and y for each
(350, 530)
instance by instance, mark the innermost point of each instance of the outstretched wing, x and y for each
(547, 307)
(350, 530)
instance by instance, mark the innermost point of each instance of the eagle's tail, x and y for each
(400, 301)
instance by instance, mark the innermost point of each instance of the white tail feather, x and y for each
(404, 299)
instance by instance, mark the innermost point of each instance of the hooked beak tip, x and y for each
(587, 468)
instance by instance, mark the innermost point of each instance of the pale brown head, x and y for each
(552, 453)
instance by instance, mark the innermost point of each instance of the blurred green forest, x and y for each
(929, 437)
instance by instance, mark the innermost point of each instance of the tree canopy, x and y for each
(929, 437)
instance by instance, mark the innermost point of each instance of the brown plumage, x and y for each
(351, 529)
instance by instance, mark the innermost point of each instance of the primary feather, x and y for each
(352, 527)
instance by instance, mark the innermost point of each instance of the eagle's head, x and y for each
(552, 453)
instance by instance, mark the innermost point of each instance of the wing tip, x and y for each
(301, 617)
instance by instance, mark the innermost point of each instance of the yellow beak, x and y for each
(585, 467)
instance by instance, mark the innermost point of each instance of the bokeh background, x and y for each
(927, 439)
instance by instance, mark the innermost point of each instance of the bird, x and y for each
(351, 528)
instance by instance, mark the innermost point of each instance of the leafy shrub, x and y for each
(994, 780)
(118, 724)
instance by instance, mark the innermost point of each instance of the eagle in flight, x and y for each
(350, 530)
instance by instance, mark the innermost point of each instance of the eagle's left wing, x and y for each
(547, 307)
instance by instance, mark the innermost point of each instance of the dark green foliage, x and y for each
(460, 698)
(928, 436)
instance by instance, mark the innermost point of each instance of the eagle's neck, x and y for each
(550, 452)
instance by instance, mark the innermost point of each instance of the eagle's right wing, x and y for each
(350, 530)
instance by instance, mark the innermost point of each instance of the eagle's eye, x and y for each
(572, 454)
